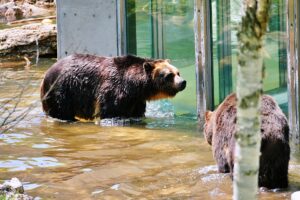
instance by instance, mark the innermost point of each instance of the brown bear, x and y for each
(220, 128)
(88, 87)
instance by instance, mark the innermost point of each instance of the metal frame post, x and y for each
(157, 29)
(121, 27)
(293, 11)
(204, 80)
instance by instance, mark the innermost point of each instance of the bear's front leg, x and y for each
(138, 110)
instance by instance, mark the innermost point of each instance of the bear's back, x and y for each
(225, 120)
(76, 63)
(273, 121)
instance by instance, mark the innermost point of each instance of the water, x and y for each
(163, 157)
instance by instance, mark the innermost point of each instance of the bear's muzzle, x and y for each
(180, 83)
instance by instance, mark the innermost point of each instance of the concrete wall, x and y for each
(87, 26)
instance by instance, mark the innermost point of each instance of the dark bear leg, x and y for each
(273, 170)
(58, 107)
(223, 167)
(139, 109)
(231, 166)
(222, 163)
(61, 115)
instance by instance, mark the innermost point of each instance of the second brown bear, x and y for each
(220, 128)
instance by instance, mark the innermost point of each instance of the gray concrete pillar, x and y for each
(87, 26)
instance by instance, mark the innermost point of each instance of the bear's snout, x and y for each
(180, 83)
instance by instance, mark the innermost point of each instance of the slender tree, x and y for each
(249, 89)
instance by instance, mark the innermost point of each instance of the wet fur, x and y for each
(219, 131)
(88, 87)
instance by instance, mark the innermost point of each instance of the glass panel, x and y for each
(178, 44)
(226, 15)
(139, 28)
(164, 29)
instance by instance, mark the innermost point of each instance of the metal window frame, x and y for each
(121, 27)
(203, 58)
(224, 48)
(157, 29)
(293, 24)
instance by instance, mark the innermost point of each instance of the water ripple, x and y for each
(41, 146)
(13, 137)
(30, 186)
(24, 163)
(160, 109)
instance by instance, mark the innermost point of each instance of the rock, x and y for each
(14, 185)
(28, 40)
(4, 1)
(46, 3)
(28, 1)
(13, 189)
(15, 10)
(4, 7)
(14, 13)
(36, 1)
(32, 10)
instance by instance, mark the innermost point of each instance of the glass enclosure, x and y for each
(164, 29)
(226, 15)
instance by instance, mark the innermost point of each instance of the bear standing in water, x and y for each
(219, 131)
(89, 87)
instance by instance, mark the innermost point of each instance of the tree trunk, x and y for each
(249, 90)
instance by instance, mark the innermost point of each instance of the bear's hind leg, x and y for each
(59, 108)
(273, 170)
(223, 165)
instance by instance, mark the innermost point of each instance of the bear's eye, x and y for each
(178, 74)
(169, 77)
(161, 75)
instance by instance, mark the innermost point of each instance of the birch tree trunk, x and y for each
(249, 90)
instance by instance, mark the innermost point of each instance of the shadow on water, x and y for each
(162, 156)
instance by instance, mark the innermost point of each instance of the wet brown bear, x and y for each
(88, 87)
(219, 130)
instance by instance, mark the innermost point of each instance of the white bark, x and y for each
(249, 89)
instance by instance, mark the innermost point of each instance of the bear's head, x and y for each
(208, 126)
(165, 78)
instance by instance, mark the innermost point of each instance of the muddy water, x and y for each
(164, 157)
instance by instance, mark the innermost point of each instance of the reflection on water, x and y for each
(24, 163)
(162, 156)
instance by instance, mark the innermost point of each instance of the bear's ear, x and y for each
(208, 115)
(148, 66)
(168, 60)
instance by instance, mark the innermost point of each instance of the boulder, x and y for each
(28, 40)
(13, 189)
(18, 10)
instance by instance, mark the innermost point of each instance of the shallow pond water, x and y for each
(163, 157)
